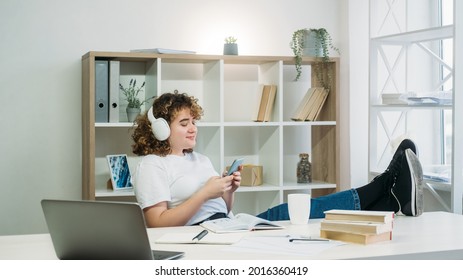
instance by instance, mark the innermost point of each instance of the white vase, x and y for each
(132, 113)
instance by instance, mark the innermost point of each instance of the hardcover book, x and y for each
(267, 102)
(311, 105)
(302, 110)
(322, 95)
(356, 237)
(360, 215)
(356, 227)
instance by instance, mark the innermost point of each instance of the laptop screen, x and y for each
(98, 230)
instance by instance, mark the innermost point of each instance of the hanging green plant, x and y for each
(319, 47)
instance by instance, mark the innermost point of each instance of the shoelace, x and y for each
(395, 168)
(396, 165)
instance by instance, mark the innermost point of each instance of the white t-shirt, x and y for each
(174, 179)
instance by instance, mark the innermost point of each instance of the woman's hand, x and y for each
(217, 186)
(160, 216)
(229, 196)
(236, 182)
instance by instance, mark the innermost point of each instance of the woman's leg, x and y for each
(406, 194)
(348, 200)
(376, 195)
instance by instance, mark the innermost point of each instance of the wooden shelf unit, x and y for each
(227, 88)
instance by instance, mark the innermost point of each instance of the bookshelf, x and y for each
(228, 90)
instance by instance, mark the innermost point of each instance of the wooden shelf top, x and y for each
(198, 58)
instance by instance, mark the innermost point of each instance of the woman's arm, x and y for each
(160, 216)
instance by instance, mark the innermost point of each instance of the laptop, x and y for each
(104, 230)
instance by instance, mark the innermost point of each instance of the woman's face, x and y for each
(182, 132)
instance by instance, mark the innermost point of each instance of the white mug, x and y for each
(299, 208)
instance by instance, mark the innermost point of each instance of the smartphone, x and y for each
(234, 167)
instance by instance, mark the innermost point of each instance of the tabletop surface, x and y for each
(433, 235)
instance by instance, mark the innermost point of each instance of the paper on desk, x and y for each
(281, 245)
(210, 238)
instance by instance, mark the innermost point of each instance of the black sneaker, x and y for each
(404, 145)
(408, 188)
(395, 166)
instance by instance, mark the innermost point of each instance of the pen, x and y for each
(307, 239)
(200, 235)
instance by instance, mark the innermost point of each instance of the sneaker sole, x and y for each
(416, 174)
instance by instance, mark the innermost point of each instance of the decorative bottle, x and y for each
(304, 169)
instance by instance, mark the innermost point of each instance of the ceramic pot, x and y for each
(230, 49)
(132, 113)
(312, 45)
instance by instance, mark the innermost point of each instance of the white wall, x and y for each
(41, 45)
(358, 76)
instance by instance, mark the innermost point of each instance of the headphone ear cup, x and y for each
(159, 127)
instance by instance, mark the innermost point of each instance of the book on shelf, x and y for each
(240, 222)
(323, 94)
(299, 114)
(358, 238)
(264, 98)
(392, 99)
(267, 101)
(360, 215)
(209, 238)
(311, 105)
(356, 227)
(270, 103)
(311, 111)
(163, 51)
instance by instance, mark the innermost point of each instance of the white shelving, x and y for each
(227, 88)
(417, 36)
(412, 62)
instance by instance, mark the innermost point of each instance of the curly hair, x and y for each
(166, 106)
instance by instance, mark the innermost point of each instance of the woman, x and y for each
(176, 186)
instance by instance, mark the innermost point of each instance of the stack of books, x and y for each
(357, 226)
(392, 99)
(267, 101)
(311, 105)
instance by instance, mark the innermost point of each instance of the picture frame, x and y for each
(119, 172)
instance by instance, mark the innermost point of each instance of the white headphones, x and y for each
(160, 127)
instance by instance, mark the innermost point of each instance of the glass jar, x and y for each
(304, 169)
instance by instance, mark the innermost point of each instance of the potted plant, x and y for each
(131, 95)
(230, 47)
(312, 42)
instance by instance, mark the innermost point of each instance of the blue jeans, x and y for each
(346, 200)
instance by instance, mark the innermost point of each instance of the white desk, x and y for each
(434, 235)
